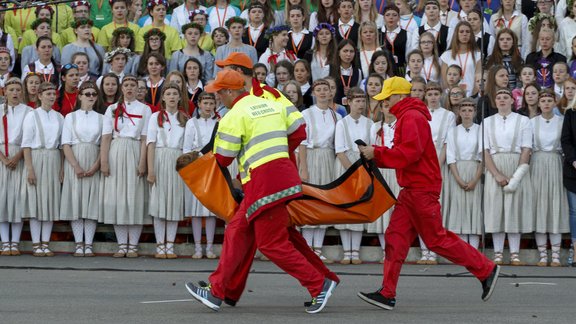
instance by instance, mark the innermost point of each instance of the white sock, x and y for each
(159, 229)
(514, 242)
(356, 240)
(16, 231)
(498, 241)
(197, 230)
(121, 234)
(474, 240)
(423, 247)
(35, 230)
(541, 239)
(382, 241)
(319, 234)
(308, 234)
(210, 224)
(46, 231)
(89, 230)
(78, 230)
(555, 239)
(171, 229)
(5, 232)
(134, 232)
(345, 236)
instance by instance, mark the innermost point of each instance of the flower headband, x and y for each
(44, 7)
(80, 3)
(540, 17)
(324, 26)
(197, 12)
(276, 30)
(236, 20)
(81, 22)
(123, 31)
(154, 32)
(117, 51)
(40, 21)
(153, 3)
(192, 25)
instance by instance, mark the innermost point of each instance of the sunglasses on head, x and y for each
(70, 66)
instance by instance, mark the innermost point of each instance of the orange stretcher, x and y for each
(360, 195)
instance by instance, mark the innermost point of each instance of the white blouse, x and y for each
(320, 67)
(133, 125)
(547, 133)
(348, 130)
(82, 127)
(463, 143)
(499, 132)
(388, 131)
(15, 120)
(198, 133)
(468, 63)
(442, 121)
(42, 129)
(170, 135)
(320, 127)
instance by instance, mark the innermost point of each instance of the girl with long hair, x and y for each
(192, 33)
(192, 73)
(283, 73)
(41, 184)
(567, 96)
(120, 25)
(326, 14)
(510, 18)
(529, 106)
(255, 32)
(110, 90)
(374, 85)
(123, 165)
(365, 10)
(155, 68)
(300, 39)
(45, 65)
(497, 79)
(321, 57)
(172, 42)
(82, 61)
(154, 43)
(68, 92)
(12, 114)
(178, 78)
(368, 44)
(427, 45)
(345, 70)
(31, 84)
(506, 54)
(81, 136)
(84, 43)
(463, 52)
(165, 139)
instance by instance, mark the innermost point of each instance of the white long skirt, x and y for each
(338, 171)
(167, 194)
(123, 193)
(10, 187)
(381, 224)
(320, 162)
(465, 206)
(550, 199)
(508, 212)
(81, 197)
(42, 201)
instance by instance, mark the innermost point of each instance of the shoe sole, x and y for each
(205, 302)
(373, 302)
(328, 295)
(493, 285)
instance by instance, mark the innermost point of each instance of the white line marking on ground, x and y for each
(534, 283)
(166, 301)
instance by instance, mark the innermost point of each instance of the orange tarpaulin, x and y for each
(360, 195)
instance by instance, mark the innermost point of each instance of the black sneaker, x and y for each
(377, 299)
(319, 302)
(227, 301)
(203, 295)
(489, 284)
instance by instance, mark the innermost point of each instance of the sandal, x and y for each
(122, 249)
(46, 250)
(515, 259)
(160, 251)
(132, 251)
(347, 259)
(543, 256)
(5, 249)
(14, 249)
(170, 251)
(555, 256)
(197, 253)
(88, 250)
(498, 258)
(424, 258)
(79, 250)
(37, 250)
(356, 257)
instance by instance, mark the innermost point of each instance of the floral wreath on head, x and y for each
(81, 22)
(153, 3)
(111, 2)
(540, 17)
(123, 31)
(275, 31)
(154, 32)
(235, 20)
(118, 50)
(44, 7)
(40, 21)
(324, 26)
(192, 25)
(197, 12)
(80, 3)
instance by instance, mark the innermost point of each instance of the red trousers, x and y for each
(283, 245)
(418, 213)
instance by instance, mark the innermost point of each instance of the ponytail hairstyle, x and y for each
(182, 116)
(83, 22)
(99, 104)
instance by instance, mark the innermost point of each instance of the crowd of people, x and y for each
(101, 97)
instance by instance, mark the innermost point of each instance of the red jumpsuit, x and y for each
(417, 210)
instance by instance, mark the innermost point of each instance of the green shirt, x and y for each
(100, 16)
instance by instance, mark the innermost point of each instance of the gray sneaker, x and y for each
(319, 302)
(203, 295)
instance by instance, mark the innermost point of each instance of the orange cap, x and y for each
(236, 58)
(226, 79)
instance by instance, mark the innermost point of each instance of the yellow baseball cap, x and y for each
(394, 85)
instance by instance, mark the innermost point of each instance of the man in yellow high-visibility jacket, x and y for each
(260, 133)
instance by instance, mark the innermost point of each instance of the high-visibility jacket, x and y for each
(256, 131)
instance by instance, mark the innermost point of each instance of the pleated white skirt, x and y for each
(465, 207)
(10, 189)
(167, 194)
(42, 201)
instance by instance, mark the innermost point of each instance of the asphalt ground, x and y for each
(64, 289)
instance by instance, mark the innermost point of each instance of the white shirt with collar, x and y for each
(355, 129)
(255, 32)
(39, 68)
(198, 133)
(51, 122)
(129, 127)
(181, 16)
(467, 142)
(461, 15)
(435, 31)
(387, 131)
(392, 34)
(298, 36)
(320, 127)
(442, 121)
(547, 133)
(15, 118)
(409, 23)
(344, 27)
(446, 17)
(170, 135)
(504, 129)
(86, 128)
